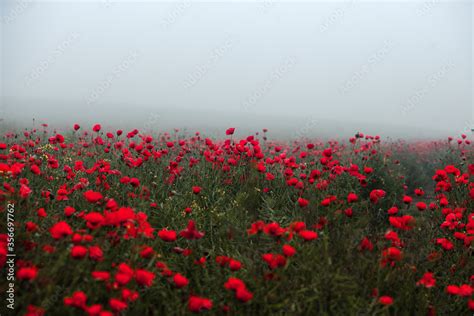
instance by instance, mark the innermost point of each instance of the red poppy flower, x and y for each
(303, 202)
(32, 310)
(27, 273)
(419, 192)
(470, 304)
(94, 220)
(375, 195)
(78, 252)
(92, 197)
(60, 230)
(180, 280)
(78, 299)
(465, 290)
(452, 289)
(69, 210)
(191, 232)
(144, 277)
(288, 250)
(96, 128)
(25, 191)
(427, 280)
(243, 295)
(197, 304)
(167, 235)
(366, 244)
(386, 300)
(35, 169)
(235, 265)
(234, 284)
(352, 197)
(308, 235)
(147, 252)
(100, 275)
(393, 210)
(274, 260)
(407, 199)
(41, 212)
(445, 243)
(390, 256)
(405, 222)
(117, 305)
(96, 253)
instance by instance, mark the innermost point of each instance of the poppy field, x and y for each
(98, 221)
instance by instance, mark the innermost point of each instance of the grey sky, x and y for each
(393, 67)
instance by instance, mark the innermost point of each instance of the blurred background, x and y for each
(300, 69)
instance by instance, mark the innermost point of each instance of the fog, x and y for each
(398, 69)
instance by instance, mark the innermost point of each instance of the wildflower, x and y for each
(445, 243)
(100, 275)
(288, 251)
(404, 222)
(78, 299)
(386, 300)
(375, 195)
(274, 260)
(197, 304)
(167, 235)
(144, 277)
(78, 252)
(243, 295)
(27, 273)
(92, 197)
(421, 206)
(308, 235)
(180, 280)
(94, 220)
(390, 256)
(302, 202)
(117, 305)
(427, 280)
(191, 232)
(96, 253)
(96, 128)
(366, 244)
(60, 230)
(407, 199)
(393, 210)
(352, 197)
(235, 265)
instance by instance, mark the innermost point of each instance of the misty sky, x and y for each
(309, 67)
